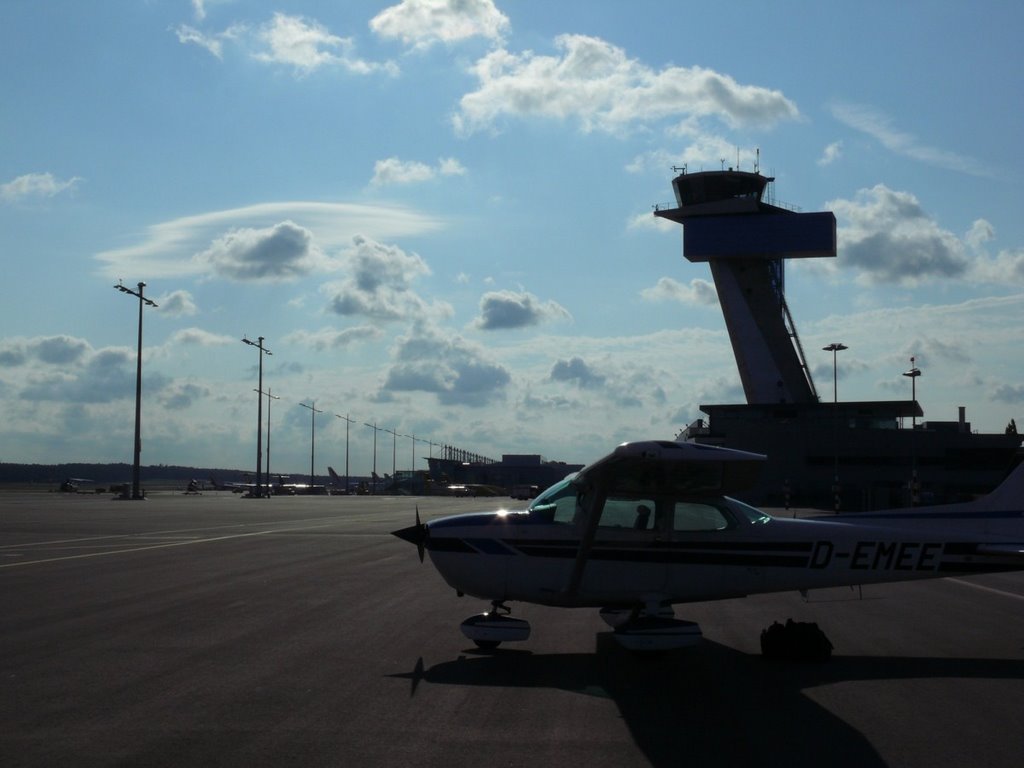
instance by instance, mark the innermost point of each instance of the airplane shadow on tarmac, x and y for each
(711, 705)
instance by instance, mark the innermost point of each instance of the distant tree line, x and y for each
(106, 473)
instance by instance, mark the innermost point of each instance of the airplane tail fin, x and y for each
(1009, 494)
(333, 474)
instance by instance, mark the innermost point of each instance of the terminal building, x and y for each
(512, 471)
(847, 455)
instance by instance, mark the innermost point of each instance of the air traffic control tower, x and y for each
(841, 454)
(746, 240)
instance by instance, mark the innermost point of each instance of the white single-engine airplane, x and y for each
(650, 525)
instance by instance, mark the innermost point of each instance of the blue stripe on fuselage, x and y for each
(489, 546)
(1007, 514)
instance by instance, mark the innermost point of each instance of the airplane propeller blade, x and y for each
(415, 534)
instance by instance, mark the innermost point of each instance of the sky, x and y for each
(438, 215)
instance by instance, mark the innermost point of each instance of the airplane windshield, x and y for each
(557, 504)
(753, 514)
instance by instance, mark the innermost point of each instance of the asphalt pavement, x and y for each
(217, 630)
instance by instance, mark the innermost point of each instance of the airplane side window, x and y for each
(694, 516)
(634, 514)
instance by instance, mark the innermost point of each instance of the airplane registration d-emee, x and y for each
(651, 525)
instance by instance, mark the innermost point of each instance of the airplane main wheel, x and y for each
(487, 645)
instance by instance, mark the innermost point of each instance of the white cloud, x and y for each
(62, 350)
(177, 304)
(190, 35)
(648, 221)
(421, 23)
(183, 395)
(577, 371)
(980, 233)
(333, 338)
(35, 185)
(308, 45)
(450, 166)
(395, 171)
(1007, 393)
(879, 126)
(453, 369)
(595, 83)
(704, 150)
(59, 350)
(832, 153)
(68, 370)
(503, 310)
(282, 252)
(1006, 267)
(379, 284)
(168, 248)
(889, 238)
(699, 292)
(199, 337)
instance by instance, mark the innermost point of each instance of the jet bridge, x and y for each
(746, 240)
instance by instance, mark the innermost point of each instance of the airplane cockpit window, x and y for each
(698, 516)
(557, 504)
(636, 514)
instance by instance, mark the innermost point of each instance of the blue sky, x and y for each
(438, 215)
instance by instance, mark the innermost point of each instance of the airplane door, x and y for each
(625, 559)
(699, 531)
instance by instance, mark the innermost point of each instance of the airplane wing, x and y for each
(679, 468)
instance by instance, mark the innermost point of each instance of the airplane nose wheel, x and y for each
(489, 630)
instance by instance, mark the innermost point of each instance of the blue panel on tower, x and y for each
(769, 236)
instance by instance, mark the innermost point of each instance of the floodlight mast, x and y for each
(348, 422)
(912, 374)
(835, 347)
(375, 429)
(394, 453)
(269, 398)
(136, 492)
(259, 415)
(313, 411)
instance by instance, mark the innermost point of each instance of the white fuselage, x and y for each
(523, 556)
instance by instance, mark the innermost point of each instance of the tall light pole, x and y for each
(835, 347)
(259, 414)
(136, 492)
(376, 429)
(312, 439)
(394, 454)
(413, 482)
(412, 439)
(348, 421)
(269, 398)
(912, 374)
